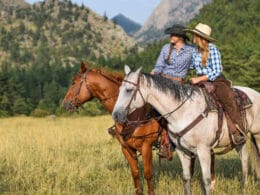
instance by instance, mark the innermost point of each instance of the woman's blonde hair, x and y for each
(203, 47)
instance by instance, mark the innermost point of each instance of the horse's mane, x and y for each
(170, 87)
(115, 75)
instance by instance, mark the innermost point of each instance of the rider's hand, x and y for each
(194, 80)
(152, 72)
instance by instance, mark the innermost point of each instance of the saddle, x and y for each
(241, 98)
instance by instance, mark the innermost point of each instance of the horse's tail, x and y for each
(255, 155)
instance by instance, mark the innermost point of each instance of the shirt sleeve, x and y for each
(215, 67)
(160, 63)
(192, 64)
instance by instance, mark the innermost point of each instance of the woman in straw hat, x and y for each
(207, 63)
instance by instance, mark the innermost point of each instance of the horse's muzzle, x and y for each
(67, 105)
(119, 117)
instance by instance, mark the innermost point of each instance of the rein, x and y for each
(201, 116)
(156, 118)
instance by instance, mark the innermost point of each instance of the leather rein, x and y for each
(201, 116)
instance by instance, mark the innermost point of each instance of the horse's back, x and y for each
(254, 96)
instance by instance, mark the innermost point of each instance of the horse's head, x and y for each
(79, 92)
(130, 97)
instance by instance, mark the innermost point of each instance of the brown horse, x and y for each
(90, 83)
(94, 83)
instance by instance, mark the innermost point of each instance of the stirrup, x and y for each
(238, 140)
(240, 130)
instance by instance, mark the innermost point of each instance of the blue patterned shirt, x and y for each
(213, 67)
(179, 62)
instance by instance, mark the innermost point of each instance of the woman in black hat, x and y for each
(175, 57)
(173, 62)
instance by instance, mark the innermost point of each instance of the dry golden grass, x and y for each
(77, 156)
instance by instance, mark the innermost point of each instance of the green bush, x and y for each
(40, 113)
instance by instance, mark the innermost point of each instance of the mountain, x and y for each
(12, 4)
(167, 13)
(129, 26)
(57, 31)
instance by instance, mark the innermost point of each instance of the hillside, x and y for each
(167, 13)
(129, 26)
(58, 30)
(38, 90)
(41, 47)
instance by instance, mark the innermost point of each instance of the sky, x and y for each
(137, 10)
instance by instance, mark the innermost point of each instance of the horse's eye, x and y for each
(73, 83)
(129, 90)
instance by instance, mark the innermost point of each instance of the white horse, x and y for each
(181, 105)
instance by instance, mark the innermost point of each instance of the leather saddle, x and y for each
(241, 98)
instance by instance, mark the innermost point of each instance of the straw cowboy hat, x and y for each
(177, 30)
(202, 30)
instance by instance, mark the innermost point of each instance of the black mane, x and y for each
(170, 87)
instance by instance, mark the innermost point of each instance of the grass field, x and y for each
(77, 156)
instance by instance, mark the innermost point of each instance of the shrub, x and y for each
(40, 113)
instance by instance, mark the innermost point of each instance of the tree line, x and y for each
(38, 89)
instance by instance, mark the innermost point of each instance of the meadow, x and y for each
(76, 155)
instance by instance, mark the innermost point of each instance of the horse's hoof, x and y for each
(212, 185)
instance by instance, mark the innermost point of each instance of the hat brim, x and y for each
(170, 32)
(201, 35)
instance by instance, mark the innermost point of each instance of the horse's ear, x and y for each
(84, 67)
(127, 69)
(138, 70)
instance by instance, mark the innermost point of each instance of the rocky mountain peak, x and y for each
(169, 12)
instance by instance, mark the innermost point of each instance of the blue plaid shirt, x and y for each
(213, 67)
(179, 62)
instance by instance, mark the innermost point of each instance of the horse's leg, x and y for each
(186, 171)
(133, 162)
(204, 156)
(212, 171)
(244, 161)
(147, 156)
(192, 165)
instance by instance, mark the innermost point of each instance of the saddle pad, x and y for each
(242, 99)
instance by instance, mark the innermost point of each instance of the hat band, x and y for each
(202, 32)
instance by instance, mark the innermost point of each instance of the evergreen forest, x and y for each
(34, 82)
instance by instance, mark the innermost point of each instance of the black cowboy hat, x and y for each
(177, 30)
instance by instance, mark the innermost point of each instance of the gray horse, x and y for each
(181, 105)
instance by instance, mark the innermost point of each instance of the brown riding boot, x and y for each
(165, 150)
(226, 97)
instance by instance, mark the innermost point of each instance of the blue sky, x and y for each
(137, 10)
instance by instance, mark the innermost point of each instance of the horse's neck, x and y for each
(177, 113)
(106, 91)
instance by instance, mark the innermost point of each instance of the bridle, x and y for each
(137, 85)
(76, 103)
